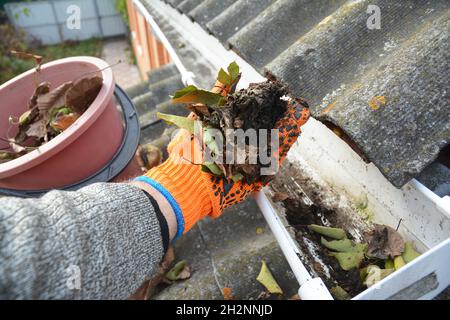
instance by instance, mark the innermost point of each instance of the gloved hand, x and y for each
(195, 194)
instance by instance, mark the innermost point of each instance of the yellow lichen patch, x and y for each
(329, 107)
(377, 102)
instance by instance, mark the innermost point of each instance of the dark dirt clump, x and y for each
(257, 107)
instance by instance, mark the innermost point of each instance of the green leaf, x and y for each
(399, 262)
(184, 91)
(233, 70)
(339, 293)
(410, 253)
(389, 264)
(375, 274)
(266, 278)
(26, 11)
(209, 140)
(191, 94)
(175, 271)
(344, 245)
(181, 122)
(237, 177)
(224, 77)
(349, 260)
(25, 118)
(335, 233)
(213, 168)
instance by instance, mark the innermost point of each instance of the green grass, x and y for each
(11, 66)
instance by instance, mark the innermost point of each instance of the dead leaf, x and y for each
(149, 156)
(228, 294)
(295, 297)
(279, 196)
(6, 156)
(199, 109)
(38, 129)
(54, 98)
(41, 89)
(377, 102)
(83, 93)
(180, 271)
(339, 293)
(266, 278)
(265, 295)
(63, 121)
(385, 242)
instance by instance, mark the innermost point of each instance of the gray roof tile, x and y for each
(235, 17)
(189, 5)
(277, 27)
(412, 122)
(208, 10)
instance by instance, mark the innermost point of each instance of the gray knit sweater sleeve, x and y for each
(100, 242)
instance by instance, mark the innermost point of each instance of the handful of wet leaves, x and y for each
(257, 107)
(384, 252)
(50, 112)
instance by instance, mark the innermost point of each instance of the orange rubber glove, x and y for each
(195, 194)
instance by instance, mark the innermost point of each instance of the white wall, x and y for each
(46, 21)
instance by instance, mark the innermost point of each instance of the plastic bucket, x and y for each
(80, 154)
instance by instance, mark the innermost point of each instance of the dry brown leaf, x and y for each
(228, 294)
(148, 156)
(199, 109)
(295, 297)
(265, 295)
(63, 121)
(83, 93)
(54, 98)
(385, 242)
(279, 196)
(41, 89)
(37, 129)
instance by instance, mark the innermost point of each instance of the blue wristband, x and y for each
(173, 203)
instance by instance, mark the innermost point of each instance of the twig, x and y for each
(398, 225)
(96, 71)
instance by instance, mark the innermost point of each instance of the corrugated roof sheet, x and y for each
(387, 88)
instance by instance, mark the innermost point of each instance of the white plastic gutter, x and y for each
(186, 76)
(310, 288)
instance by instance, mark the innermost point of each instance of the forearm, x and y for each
(109, 232)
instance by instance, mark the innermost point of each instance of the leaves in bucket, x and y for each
(50, 112)
(83, 93)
